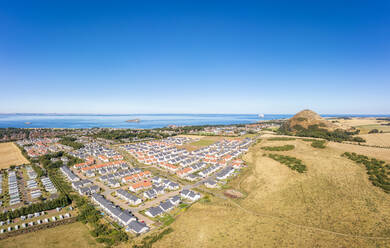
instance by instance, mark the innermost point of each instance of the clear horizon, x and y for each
(195, 57)
(370, 114)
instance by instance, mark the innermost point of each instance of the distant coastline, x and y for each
(149, 121)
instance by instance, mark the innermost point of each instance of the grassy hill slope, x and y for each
(307, 118)
(331, 205)
(309, 124)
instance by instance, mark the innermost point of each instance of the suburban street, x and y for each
(107, 192)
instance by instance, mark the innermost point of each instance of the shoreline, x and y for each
(150, 124)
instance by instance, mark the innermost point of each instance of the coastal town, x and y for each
(125, 189)
(135, 185)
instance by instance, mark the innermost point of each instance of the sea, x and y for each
(147, 121)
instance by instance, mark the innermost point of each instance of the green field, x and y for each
(202, 143)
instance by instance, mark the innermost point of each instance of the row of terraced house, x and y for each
(185, 164)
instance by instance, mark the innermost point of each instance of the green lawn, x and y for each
(202, 143)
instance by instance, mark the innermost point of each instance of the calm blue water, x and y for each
(119, 121)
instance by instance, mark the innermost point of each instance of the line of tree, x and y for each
(278, 148)
(36, 207)
(378, 171)
(88, 213)
(24, 152)
(291, 162)
(13, 131)
(62, 201)
(127, 133)
(101, 231)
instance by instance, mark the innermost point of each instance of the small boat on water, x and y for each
(134, 120)
(27, 123)
(261, 115)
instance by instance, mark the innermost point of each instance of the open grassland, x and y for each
(379, 153)
(71, 235)
(377, 139)
(354, 122)
(278, 148)
(363, 124)
(249, 135)
(204, 141)
(367, 128)
(10, 155)
(333, 204)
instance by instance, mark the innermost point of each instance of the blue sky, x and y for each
(195, 56)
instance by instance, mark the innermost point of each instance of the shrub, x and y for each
(378, 171)
(291, 162)
(374, 131)
(358, 139)
(318, 144)
(278, 148)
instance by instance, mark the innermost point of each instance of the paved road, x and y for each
(107, 191)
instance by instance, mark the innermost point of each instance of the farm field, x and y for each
(10, 155)
(71, 235)
(333, 204)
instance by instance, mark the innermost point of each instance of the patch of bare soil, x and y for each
(233, 193)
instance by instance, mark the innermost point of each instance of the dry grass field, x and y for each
(353, 122)
(72, 235)
(363, 124)
(331, 205)
(379, 153)
(10, 155)
(364, 129)
(377, 139)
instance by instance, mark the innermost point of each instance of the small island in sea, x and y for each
(134, 120)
